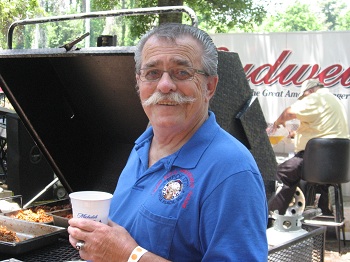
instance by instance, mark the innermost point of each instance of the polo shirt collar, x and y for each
(194, 148)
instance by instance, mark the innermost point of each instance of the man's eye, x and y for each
(182, 73)
(154, 73)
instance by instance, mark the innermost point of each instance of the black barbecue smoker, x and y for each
(81, 108)
(83, 113)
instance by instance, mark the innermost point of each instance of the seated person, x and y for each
(321, 114)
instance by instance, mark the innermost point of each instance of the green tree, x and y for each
(332, 9)
(53, 34)
(297, 17)
(17, 10)
(214, 15)
(56, 34)
(343, 22)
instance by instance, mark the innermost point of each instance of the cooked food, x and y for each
(52, 208)
(39, 216)
(8, 235)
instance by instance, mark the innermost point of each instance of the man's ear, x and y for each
(211, 86)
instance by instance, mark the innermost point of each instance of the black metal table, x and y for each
(308, 247)
(61, 251)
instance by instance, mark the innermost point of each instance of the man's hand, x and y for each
(101, 242)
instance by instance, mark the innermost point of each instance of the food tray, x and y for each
(32, 235)
(49, 208)
(53, 205)
(14, 213)
(60, 217)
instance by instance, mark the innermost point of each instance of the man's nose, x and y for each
(166, 83)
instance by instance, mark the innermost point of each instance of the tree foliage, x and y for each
(343, 22)
(332, 9)
(214, 16)
(297, 17)
(304, 16)
(16, 10)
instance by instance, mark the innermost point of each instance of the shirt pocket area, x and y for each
(153, 232)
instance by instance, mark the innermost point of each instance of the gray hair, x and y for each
(173, 31)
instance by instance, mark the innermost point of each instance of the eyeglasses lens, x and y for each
(176, 74)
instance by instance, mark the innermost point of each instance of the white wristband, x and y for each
(136, 254)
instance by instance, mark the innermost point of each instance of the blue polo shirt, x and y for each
(205, 202)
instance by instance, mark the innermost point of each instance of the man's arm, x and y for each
(287, 114)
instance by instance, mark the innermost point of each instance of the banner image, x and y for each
(276, 64)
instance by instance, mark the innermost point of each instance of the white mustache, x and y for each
(171, 97)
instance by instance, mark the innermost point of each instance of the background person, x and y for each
(189, 191)
(321, 115)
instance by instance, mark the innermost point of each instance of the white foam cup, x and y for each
(92, 205)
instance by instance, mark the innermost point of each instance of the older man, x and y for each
(189, 191)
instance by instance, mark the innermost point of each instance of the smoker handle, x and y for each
(121, 12)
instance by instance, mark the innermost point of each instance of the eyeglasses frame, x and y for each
(198, 71)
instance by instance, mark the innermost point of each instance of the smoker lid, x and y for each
(81, 108)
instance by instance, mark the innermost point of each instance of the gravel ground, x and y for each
(332, 254)
(332, 250)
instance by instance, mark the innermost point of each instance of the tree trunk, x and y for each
(172, 17)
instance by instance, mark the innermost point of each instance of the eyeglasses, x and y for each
(176, 74)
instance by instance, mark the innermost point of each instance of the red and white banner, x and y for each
(277, 63)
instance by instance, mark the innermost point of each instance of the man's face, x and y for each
(309, 92)
(164, 55)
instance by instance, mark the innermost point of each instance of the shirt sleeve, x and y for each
(234, 220)
(306, 109)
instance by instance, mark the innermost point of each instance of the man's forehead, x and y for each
(173, 60)
(182, 41)
(184, 51)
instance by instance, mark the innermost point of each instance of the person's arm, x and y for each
(150, 257)
(104, 243)
(286, 115)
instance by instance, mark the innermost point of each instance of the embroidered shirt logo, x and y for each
(175, 187)
(172, 189)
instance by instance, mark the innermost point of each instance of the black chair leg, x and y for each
(339, 213)
(343, 229)
(342, 212)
